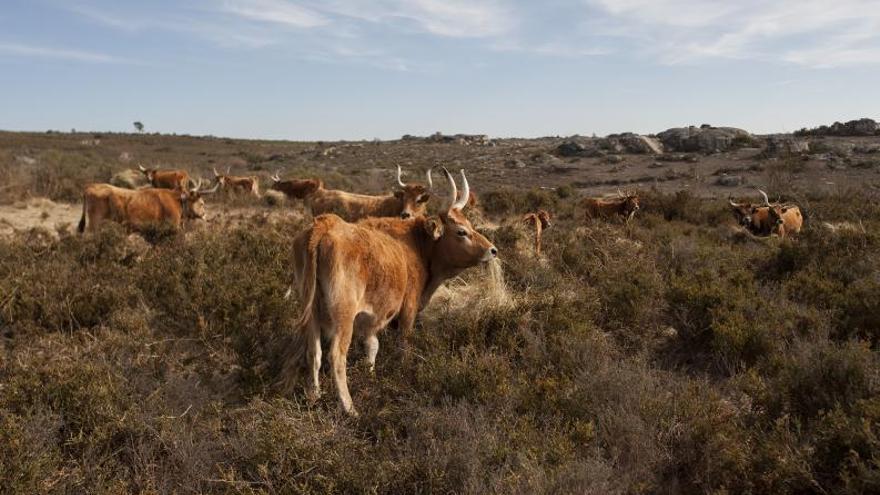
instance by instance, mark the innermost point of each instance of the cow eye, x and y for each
(462, 232)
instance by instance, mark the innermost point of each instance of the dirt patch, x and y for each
(38, 212)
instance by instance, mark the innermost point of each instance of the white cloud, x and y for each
(22, 50)
(815, 33)
(449, 18)
(275, 11)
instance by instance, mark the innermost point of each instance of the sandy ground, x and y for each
(60, 217)
(39, 212)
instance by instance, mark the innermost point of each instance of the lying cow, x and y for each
(624, 205)
(356, 278)
(750, 215)
(140, 209)
(783, 220)
(540, 221)
(246, 184)
(166, 179)
(766, 218)
(410, 200)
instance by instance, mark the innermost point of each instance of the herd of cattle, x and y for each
(367, 261)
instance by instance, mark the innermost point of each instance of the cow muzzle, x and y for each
(490, 254)
(406, 215)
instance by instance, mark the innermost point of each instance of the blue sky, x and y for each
(359, 69)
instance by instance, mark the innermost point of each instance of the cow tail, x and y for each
(294, 358)
(82, 221)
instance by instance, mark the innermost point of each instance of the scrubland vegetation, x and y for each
(666, 356)
(675, 354)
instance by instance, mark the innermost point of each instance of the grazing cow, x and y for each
(166, 179)
(356, 278)
(140, 209)
(249, 184)
(541, 221)
(783, 220)
(625, 205)
(408, 201)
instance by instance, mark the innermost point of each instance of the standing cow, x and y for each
(166, 179)
(139, 210)
(410, 200)
(624, 205)
(247, 184)
(356, 278)
(539, 221)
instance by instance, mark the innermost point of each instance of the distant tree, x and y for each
(139, 126)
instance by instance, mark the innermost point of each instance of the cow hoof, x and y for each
(313, 395)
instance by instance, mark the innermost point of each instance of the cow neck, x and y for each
(184, 207)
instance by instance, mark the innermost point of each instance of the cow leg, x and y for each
(371, 346)
(313, 341)
(338, 361)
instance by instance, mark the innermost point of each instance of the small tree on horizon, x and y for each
(139, 126)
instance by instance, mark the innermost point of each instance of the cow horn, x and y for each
(399, 181)
(141, 168)
(620, 193)
(228, 169)
(465, 192)
(730, 200)
(453, 190)
(215, 171)
(430, 182)
(210, 191)
(766, 199)
(197, 185)
(276, 177)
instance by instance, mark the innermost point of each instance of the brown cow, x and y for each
(140, 209)
(541, 221)
(783, 220)
(751, 216)
(410, 200)
(625, 205)
(356, 278)
(247, 184)
(166, 179)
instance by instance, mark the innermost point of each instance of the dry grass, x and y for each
(670, 355)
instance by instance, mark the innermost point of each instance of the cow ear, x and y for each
(434, 228)
(784, 209)
(424, 198)
(398, 194)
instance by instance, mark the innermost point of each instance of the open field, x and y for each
(674, 354)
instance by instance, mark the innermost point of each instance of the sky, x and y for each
(361, 69)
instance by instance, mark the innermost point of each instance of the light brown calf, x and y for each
(247, 184)
(541, 221)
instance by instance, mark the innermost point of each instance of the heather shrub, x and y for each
(659, 356)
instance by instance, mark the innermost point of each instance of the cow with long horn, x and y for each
(406, 201)
(353, 279)
(141, 209)
(178, 180)
(625, 205)
(782, 220)
(247, 184)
